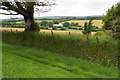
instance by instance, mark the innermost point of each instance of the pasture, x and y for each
(81, 22)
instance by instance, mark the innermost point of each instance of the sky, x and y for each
(77, 8)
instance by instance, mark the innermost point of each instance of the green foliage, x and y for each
(76, 24)
(116, 35)
(66, 24)
(80, 28)
(112, 19)
(50, 24)
(44, 23)
(54, 28)
(72, 24)
(35, 27)
(42, 27)
(59, 26)
(100, 33)
(88, 26)
(75, 46)
(56, 22)
(46, 27)
(24, 62)
(63, 28)
(95, 30)
(103, 33)
(73, 28)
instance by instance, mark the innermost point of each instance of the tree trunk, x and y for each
(30, 24)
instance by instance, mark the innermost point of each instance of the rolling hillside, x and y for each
(24, 62)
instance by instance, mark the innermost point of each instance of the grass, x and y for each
(25, 62)
(105, 51)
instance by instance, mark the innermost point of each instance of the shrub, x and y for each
(59, 27)
(36, 27)
(66, 24)
(80, 28)
(42, 27)
(54, 28)
(116, 35)
(46, 27)
(95, 30)
(100, 33)
(63, 28)
(73, 28)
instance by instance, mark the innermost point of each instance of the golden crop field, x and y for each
(46, 31)
(81, 22)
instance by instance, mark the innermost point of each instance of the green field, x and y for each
(25, 62)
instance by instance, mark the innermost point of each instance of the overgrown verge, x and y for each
(96, 49)
(26, 62)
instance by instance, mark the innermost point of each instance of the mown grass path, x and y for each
(24, 62)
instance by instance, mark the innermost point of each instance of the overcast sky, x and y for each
(78, 8)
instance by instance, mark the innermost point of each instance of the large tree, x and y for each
(112, 19)
(26, 8)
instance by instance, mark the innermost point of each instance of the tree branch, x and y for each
(8, 14)
(10, 7)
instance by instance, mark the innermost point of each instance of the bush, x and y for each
(63, 28)
(116, 35)
(66, 24)
(100, 33)
(42, 27)
(54, 28)
(35, 27)
(80, 28)
(46, 27)
(95, 30)
(59, 27)
(73, 28)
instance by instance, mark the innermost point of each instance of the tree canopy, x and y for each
(26, 8)
(112, 19)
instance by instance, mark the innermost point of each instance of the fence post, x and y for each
(16, 30)
(97, 39)
(88, 39)
(52, 33)
(11, 30)
(70, 34)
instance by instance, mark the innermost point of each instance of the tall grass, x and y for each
(80, 46)
(25, 62)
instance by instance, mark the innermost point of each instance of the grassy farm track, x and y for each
(24, 62)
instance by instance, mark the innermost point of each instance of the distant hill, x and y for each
(65, 18)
